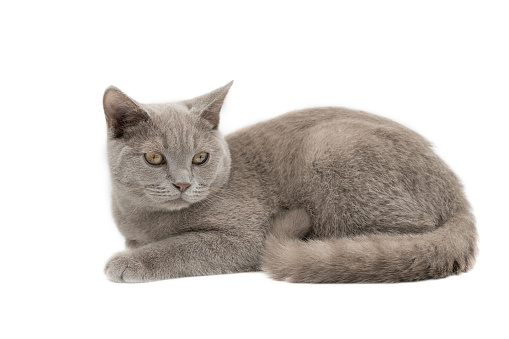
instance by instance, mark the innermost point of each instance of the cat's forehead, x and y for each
(174, 125)
(176, 112)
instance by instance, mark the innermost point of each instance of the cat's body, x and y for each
(371, 199)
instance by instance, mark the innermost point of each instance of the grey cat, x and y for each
(321, 195)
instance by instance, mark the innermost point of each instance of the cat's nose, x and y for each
(182, 186)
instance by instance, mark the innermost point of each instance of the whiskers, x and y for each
(196, 193)
(162, 191)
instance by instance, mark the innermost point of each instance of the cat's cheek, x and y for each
(211, 174)
(144, 174)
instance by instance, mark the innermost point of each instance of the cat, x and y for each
(320, 195)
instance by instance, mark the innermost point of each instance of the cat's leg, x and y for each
(188, 254)
(292, 224)
(131, 244)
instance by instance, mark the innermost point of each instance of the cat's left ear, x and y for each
(209, 105)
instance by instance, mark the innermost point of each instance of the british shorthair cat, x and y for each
(320, 195)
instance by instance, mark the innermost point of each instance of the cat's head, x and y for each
(167, 156)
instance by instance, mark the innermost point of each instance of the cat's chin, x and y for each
(178, 208)
(176, 205)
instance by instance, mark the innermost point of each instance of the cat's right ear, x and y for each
(121, 111)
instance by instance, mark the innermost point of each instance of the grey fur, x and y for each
(318, 195)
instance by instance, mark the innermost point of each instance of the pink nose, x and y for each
(182, 186)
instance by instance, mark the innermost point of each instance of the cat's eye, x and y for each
(154, 158)
(200, 158)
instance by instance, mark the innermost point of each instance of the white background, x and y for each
(438, 67)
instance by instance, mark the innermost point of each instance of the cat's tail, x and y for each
(449, 249)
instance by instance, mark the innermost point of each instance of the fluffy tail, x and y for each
(450, 249)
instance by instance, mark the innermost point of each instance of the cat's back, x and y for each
(308, 129)
(352, 161)
(302, 121)
(321, 140)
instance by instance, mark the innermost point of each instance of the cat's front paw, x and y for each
(125, 267)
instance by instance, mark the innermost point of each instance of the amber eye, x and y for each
(200, 158)
(154, 158)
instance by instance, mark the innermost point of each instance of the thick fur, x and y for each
(370, 258)
(319, 195)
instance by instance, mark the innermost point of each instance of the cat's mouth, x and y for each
(175, 203)
(170, 197)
